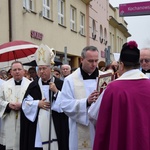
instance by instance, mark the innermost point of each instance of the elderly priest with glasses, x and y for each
(145, 61)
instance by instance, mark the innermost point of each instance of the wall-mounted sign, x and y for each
(134, 9)
(36, 35)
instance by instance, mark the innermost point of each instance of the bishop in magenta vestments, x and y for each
(124, 117)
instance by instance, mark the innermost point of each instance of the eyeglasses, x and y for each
(146, 60)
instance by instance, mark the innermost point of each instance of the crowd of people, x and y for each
(50, 107)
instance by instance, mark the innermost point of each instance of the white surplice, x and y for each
(10, 122)
(30, 109)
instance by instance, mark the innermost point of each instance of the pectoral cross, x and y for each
(85, 144)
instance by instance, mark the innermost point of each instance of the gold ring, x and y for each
(44, 105)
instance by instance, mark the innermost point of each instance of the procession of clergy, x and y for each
(87, 109)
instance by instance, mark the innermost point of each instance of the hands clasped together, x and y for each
(15, 106)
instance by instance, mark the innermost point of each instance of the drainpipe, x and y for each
(10, 20)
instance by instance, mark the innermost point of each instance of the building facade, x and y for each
(118, 32)
(60, 24)
(99, 26)
(66, 25)
(107, 30)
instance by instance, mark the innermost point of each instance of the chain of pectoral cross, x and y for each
(17, 98)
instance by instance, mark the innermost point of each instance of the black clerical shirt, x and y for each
(144, 71)
(46, 83)
(86, 76)
(18, 82)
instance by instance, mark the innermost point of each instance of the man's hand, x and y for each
(44, 104)
(53, 87)
(15, 106)
(93, 97)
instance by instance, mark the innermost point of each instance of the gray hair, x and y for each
(66, 65)
(88, 48)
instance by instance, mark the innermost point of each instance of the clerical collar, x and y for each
(46, 82)
(144, 71)
(86, 76)
(18, 82)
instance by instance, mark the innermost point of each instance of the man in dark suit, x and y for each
(40, 126)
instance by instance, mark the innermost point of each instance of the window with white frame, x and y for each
(101, 31)
(32, 5)
(93, 29)
(82, 24)
(26, 4)
(105, 36)
(61, 11)
(29, 4)
(73, 18)
(101, 38)
(47, 8)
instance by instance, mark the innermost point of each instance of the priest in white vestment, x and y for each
(78, 93)
(11, 95)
